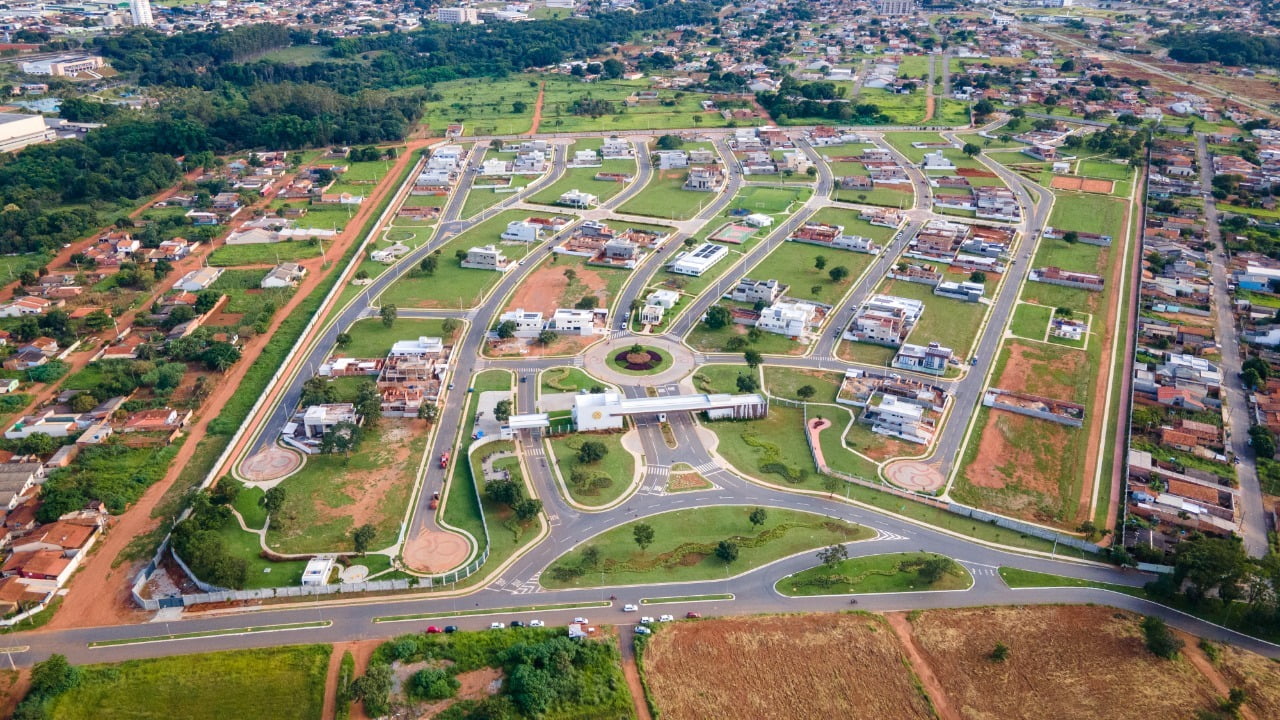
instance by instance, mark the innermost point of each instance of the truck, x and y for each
(444, 459)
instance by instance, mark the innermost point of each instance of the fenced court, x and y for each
(1089, 185)
(733, 233)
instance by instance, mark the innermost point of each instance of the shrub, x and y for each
(1160, 639)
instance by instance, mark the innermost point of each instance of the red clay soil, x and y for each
(361, 651)
(632, 674)
(86, 603)
(11, 695)
(1200, 662)
(924, 673)
(537, 110)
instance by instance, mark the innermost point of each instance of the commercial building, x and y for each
(140, 12)
(18, 131)
(607, 411)
(64, 65)
(457, 16)
(699, 260)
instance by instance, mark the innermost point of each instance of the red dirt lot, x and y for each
(799, 666)
(1064, 662)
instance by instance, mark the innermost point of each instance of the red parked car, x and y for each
(692, 615)
(433, 629)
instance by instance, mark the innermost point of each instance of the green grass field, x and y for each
(1030, 321)
(453, 284)
(684, 542)
(673, 110)
(893, 573)
(617, 468)
(793, 263)
(771, 448)
(486, 106)
(566, 379)
(371, 339)
(783, 382)
(584, 178)
(1084, 212)
(290, 251)
(480, 198)
(284, 683)
(701, 337)
(664, 197)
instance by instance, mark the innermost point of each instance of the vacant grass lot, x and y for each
(290, 251)
(480, 198)
(284, 683)
(607, 480)
(793, 263)
(665, 197)
(371, 339)
(953, 323)
(684, 542)
(486, 106)
(893, 573)
(452, 284)
(1030, 321)
(674, 109)
(784, 382)
(1084, 212)
(701, 337)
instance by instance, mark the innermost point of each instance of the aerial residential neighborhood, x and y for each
(471, 360)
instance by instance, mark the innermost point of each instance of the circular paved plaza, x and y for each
(598, 361)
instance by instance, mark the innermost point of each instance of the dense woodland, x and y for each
(1228, 47)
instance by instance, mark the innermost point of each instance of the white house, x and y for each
(284, 275)
(522, 230)
(672, 159)
(792, 319)
(199, 279)
(527, 324)
(572, 321)
(937, 160)
(488, 257)
(575, 198)
(758, 220)
(663, 298)
(650, 314)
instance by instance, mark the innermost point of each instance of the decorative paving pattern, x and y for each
(915, 475)
(433, 551)
(270, 463)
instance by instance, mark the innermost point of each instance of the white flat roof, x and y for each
(619, 405)
(529, 421)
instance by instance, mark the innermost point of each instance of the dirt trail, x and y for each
(626, 646)
(537, 110)
(1201, 662)
(902, 628)
(360, 651)
(1126, 378)
(85, 604)
(928, 107)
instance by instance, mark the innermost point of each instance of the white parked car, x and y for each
(496, 626)
(667, 618)
(536, 623)
(646, 620)
(581, 620)
(629, 608)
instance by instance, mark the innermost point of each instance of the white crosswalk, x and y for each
(657, 470)
(707, 468)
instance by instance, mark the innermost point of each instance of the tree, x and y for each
(432, 684)
(527, 509)
(318, 391)
(592, 451)
(1258, 364)
(429, 264)
(450, 326)
(1251, 379)
(588, 302)
(274, 499)
(220, 356)
(53, 677)
(737, 343)
(374, 690)
(820, 262)
(1160, 639)
(506, 329)
(804, 392)
(1071, 236)
(343, 437)
(368, 402)
(832, 555)
(727, 550)
(388, 314)
(758, 516)
(504, 492)
(971, 150)
(670, 142)
(811, 171)
(1000, 653)
(747, 383)
(642, 533)
(343, 339)
(753, 358)
(831, 484)
(502, 411)
(571, 275)
(838, 273)
(717, 317)
(362, 537)
(1263, 442)
(428, 412)
(546, 337)
(977, 276)
(97, 320)
(612, 68)
(932, 570)
(519, 107)
(1210, 564)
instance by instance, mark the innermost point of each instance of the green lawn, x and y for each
(882, 196)
(684, 545)
(584, 178)
(953, 323)
(783, 382)
(325, 494)
(1030, 321)
(793, 263)
(721, 378)
(370, 338)
(893, 573)
(563, 91)
(664, 197)
(865, 353)
(901, 109)
(840, 456)
(566, 379)
(772, 448)
(285, 682)
(1077, 257)
(453, 285)
(853, 225)
(701, 337)
(289, 251)
(12, 265)
(480, 198)
(1084, 212)
(603, 481)
(620, 365)
(486, 106)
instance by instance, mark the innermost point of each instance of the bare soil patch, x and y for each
(1064, 662)
(810, 666)
(974, 172)
(548, 289)
(368, 488)
(1041, 371)
(889, 448)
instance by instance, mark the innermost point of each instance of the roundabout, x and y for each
(626, 362)
(640, 360)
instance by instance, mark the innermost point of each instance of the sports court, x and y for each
(733, 233)
(1089, 185)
